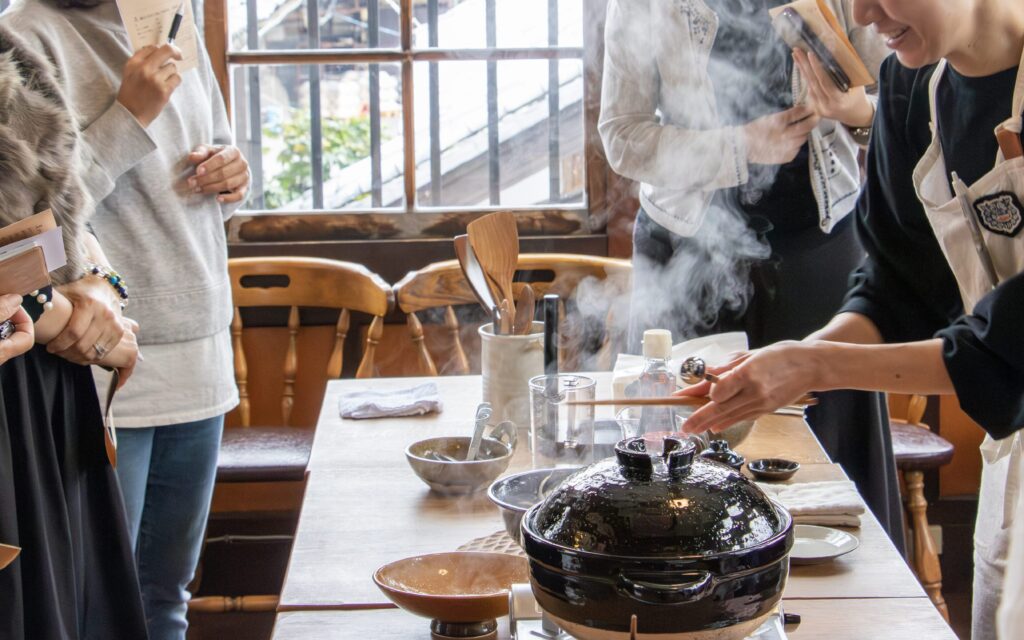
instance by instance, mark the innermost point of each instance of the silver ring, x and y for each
(100, 350)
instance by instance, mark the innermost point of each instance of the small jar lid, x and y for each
(658, 344)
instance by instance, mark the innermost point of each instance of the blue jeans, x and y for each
(167, 475)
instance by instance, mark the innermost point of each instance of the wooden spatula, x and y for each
(523, 322)
(495, 241)
(474, 274)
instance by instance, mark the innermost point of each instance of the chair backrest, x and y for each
(915, 410)
(305, 282)
(442, 284)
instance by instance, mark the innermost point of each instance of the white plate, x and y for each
(820, 544)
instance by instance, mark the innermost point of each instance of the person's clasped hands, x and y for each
(149, 80)
(220, 169)
(23, 337)
(97, 332)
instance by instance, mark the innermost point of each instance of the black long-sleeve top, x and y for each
(905, 285)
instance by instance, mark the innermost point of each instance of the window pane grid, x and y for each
(318, 58)
(493, 139)
(315, 111)
(376, 180)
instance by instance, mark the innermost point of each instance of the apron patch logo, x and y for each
(1000, 213)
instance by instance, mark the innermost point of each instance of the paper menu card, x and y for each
(28, 227)
(8, 554)
(149, 22)
(823, 23)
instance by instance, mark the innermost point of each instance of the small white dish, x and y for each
(814, 545)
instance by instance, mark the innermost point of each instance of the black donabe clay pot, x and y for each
(689, 546)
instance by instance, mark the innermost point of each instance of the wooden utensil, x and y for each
(495, 241)
(523, 323)
(668, 401)
(474, 274)
(506, 317)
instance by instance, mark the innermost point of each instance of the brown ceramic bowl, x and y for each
(457, 589)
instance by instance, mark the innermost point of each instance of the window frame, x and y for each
(604, 191)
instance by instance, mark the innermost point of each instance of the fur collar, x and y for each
(39, 159)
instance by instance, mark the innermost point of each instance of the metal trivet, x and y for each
(528, 622)
(497, 542)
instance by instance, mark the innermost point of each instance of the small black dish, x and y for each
(719, 451)
(773, 468)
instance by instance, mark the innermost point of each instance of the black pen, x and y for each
(176, 23)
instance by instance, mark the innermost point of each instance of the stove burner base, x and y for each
(442, 630)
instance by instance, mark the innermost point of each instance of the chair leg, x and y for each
(926, 556)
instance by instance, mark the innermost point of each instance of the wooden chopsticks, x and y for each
(688, 401)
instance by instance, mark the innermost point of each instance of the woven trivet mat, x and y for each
(497, 542)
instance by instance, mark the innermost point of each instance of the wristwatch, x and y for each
(860, 135)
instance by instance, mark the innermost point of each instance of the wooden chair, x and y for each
(917, 449)
(442, 284)
(275, 453)
(280, 453)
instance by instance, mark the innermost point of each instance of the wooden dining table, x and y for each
(364, 507)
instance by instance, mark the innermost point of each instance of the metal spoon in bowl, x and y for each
(483, 414)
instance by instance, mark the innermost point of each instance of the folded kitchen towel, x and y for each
(830, 503)
(413, 401)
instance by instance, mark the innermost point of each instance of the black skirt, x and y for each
(60, 502)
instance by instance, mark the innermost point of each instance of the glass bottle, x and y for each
(656, 380)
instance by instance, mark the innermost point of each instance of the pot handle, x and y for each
(661, 593)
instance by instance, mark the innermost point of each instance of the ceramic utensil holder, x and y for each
(507, 362)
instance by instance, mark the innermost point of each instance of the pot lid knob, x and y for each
(678, 455)
(634, 459)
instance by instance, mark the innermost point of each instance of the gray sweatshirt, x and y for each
(167, 242)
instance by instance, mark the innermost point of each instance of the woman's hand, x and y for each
(24, 333)
(220, 169)
(851, 108)
(94, 328)
(777, 137)
(125, 355)
(150, 77)
(753, 384)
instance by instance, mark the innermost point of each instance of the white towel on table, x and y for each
(829, 503)
(413, 401)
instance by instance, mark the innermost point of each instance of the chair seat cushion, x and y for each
(264, 454)
(916, 447)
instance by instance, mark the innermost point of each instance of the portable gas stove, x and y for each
(528, 622)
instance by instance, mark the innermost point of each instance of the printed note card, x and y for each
(149, 22)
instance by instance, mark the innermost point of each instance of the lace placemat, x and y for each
(497, 542)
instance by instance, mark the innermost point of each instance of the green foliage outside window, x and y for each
(345, 140)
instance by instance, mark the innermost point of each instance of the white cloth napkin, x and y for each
(713, 349)
(829, 503)
(413, 401)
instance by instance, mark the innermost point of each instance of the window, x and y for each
(404, 118)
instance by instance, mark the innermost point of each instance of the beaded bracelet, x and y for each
(112, 278)
(38, 302)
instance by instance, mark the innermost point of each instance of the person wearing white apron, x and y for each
(937, 307)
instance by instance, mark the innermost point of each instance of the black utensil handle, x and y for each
(550, 310)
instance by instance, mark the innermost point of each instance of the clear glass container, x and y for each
(561, 434)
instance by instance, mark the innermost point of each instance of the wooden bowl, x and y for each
(457, 588)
